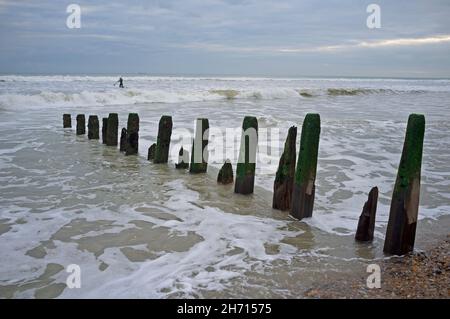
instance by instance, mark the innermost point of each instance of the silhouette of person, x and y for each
(120, 82)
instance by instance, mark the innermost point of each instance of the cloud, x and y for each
(326, 48)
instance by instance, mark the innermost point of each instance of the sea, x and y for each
(79, 219)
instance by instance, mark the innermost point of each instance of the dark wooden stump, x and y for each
(151, 152)
(245, 170)
(104, 129)
(199, 156)
(401, 229)
(112, 129)
(93, 127)
(132, 145)
(67, 121)
(163, 140)
(183, 159)
(225, 175)
(81, 124)
(305, 175)
(123, 140)
(366, 223)
(284, 179)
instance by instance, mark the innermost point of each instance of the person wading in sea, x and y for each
(120, 81)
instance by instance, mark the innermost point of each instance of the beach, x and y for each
(144, 230)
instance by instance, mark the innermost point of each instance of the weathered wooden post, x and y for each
(93, 127)
(123, 140)
(284, 179)
(305, 175)
(81, 124)
(112, 128)
(366, 223)
(401, 228)
(225, 175)
(104, 129)
(67, 121)
(183, 159)
(199, 156)
(245, 170)
(151, 152)
(163, 140)
(132, 145)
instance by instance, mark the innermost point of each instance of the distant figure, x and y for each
(120, 82)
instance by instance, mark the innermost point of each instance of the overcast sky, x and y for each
(228, 37)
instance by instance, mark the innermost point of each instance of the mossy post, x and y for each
(93, 127)
(81, 124)
(67, 121)
(305, 175)
(225, 175)
(123, 140)
(199, 156)
(366, 223)
(104, 129)
(132, 145)
(112, 129)
(245, 170)
(284, 178)
(163, 140)
(401, 229)
(151, 152)
(183, 159)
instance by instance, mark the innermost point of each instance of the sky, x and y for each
(287, 38)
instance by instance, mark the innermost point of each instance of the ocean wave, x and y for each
(37, 98)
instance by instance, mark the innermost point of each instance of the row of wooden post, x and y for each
(294, 186)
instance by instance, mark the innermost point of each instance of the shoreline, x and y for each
(422, 274)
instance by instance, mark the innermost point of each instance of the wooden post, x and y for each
(284, 179)
(245, 170)
(183, 159)
(123, 140)
(132, 145)
(305, 175)
(401, 228)
(93, 127)
(104, 129)
(81, 124)
(366, 223)
(226, 173)
(199, 156)
(112, 129)
(67, 121)
(151, 152)
(163, 140)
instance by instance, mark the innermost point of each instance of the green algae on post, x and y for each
(67, 121)
(199, 156)
(183, 159)
(163, 140)
(132, 145)
(366, 223)
(81, 124)
(104, 129)
(284, 178)
(245, 170)
(401, 229)
(93, 127)
(112, 129)
(305, 175)
(225, 175)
